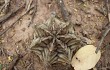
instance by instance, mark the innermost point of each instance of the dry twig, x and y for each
(5, 17)
(5, 6)
(108, 29)
(1, 33)
(14, 62)
(34, 12)
(64, 12)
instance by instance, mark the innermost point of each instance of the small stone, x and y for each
(85, 33)
(23, 29)
(88, 15)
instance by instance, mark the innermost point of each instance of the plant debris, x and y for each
(108, 27)
(14, 62)
(64, 11)
(52, 45)
(85, 58)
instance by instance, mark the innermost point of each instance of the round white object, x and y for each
(85, 58)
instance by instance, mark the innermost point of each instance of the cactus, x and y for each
(54, 41)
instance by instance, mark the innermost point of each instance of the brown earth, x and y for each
(89, 19)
